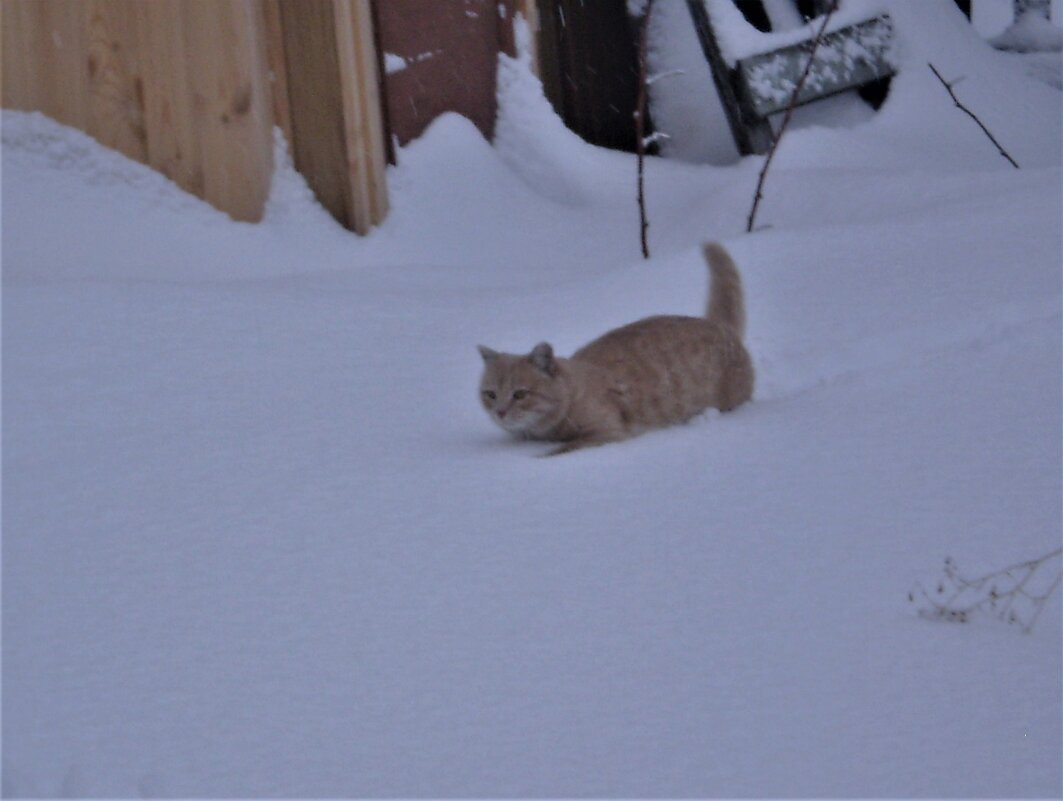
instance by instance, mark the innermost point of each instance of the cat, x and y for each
(648, 374)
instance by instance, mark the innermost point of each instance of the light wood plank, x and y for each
(15, 89)
(230, 102)
(278, 67)
(318, 142)
(173, 146)
(363, 124)
(116, 88)
(57, 60)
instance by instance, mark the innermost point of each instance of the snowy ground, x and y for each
(260, 539)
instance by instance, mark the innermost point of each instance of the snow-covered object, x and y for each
(687, 108)
(393, 63)
(845, 58)
(1031, 33)
(738, 39)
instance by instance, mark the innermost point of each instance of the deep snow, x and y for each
(260, 540)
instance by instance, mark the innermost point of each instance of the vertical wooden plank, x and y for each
(55, 55)
(14, 79)
(316, 104)
(230, 107)
(363, 123)
(333, 88)
(172, 140)
(116, 90)
(381, 85)
(589, 69)
(278, 67)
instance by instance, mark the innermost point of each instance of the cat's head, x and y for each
(522, 394)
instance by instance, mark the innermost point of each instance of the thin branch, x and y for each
(640, 126)
(948, 86)
(786, 117)
(1003, 593)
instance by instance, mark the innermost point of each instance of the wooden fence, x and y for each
(194, 87)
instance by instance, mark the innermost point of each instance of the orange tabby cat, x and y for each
(648, 374)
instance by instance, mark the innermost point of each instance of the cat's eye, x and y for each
(520, 394)
(489, 394)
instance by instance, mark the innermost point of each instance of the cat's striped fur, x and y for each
(647, 374)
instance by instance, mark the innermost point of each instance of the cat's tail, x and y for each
(726, 302)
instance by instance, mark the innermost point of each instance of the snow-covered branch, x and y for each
(1016, 594)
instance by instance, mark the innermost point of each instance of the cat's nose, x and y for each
(501, 413)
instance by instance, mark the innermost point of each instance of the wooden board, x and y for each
(116, 100)
(337, 131)
(174, 145)
(751, 133)
(177, 84)
(847, 58)
(44, 58)
(363, 120)
(230, 102)
(450, 49)
(589, 68)
(762, 85)
(192, 88)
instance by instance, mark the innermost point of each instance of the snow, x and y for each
(1030, 33)
(393, 63)
(260, 539)
(685, 105)
(738, 39)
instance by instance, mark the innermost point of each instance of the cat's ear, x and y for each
(488, 354)
(542, 356)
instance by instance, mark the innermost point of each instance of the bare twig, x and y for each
(948, 86)
(788, 114)
(640, 126)
(1005, 593)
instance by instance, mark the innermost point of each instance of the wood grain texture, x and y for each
(363, 124)
(337, 127)
(316, 104)
(194, 87)
(180, 85)
(174, 147)
(277, 61)
(15, 89)
(116, 89)
(230, 103)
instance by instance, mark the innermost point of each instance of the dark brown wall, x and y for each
(451, 49)
(589, 66)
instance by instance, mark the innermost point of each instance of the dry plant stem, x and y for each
(640, 127)
(948, 86)
(987, 599)
(787, 115)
